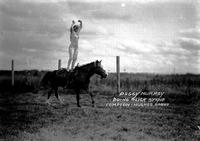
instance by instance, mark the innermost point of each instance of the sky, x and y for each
(155, 36)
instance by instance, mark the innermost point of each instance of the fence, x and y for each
(59, 67)
(118, 73)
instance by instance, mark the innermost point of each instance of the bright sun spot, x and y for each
(123, 5)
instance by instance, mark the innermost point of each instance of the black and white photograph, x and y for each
(99, 70)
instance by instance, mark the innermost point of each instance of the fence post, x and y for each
(118, 73)
(59, 64)
(13, 73)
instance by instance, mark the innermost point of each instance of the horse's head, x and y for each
(99, 70)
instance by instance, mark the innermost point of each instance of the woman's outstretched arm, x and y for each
(81, 24)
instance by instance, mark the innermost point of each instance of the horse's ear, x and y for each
(100, 61)
(95, 63)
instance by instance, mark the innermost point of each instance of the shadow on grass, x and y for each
(17, 116)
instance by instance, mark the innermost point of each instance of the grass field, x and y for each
(25, 115)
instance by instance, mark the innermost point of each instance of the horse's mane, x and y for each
(84, 65)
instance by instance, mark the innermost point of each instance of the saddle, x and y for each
(72, 74)
(62, 72)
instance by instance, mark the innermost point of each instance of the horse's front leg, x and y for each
(78, 97)
(92, 98)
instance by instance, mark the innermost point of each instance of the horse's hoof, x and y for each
(61, 101)
(47, 102)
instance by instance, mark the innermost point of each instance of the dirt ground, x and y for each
(26, 117)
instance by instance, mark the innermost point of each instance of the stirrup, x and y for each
(67, 86)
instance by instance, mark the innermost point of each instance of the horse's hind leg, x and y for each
(49, 94)
(57, 96)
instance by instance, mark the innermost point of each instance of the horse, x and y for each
(77, 80)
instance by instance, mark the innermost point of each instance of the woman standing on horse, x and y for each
(73, 47)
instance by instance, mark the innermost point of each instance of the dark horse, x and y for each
(77, 80)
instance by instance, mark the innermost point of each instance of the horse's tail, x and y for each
(45, 80)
